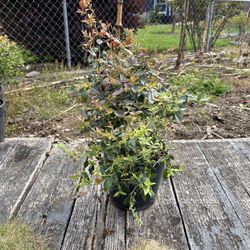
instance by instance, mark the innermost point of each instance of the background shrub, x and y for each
(12, 58)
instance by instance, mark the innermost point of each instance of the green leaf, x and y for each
(171, 171)
(178, 117)
(110, 182)
(119, 193)
(118, 113)
(118, 92)
(150, 97)
(84, 96)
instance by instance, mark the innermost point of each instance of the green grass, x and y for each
(31, 108)
(17, 235)
(200, 87)
(159, 37)
(44, 103)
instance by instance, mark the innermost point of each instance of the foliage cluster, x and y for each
(12, 58)
(200, 87)
(126, 106)
(241, 22)
(154, 16)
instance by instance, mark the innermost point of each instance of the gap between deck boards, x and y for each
(103, 216)
(32, 179)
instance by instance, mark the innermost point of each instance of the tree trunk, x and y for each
(217, 33)
(184, 20)
(191, 35)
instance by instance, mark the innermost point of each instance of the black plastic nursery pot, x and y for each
(2, 110)
(1, 92)
(141, 203)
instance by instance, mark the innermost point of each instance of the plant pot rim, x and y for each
(2, 102)
(141, 204)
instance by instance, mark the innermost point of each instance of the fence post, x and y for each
(66, 31)
(210, 24)
(119, 17)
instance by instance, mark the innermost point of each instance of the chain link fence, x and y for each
(51, 29)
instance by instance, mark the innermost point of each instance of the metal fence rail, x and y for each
(51, 29)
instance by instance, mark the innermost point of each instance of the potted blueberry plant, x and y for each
(126, 107)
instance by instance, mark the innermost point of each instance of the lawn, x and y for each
(159, 37)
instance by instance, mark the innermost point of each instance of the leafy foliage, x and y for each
(128, 91)
(126, 106)
(199, 87)
(155, 16)
(224, 12)
(12, 58)
(241, 22)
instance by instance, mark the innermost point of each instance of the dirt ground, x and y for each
(227, 117)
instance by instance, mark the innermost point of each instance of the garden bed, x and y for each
(227, 117)
(55, 110)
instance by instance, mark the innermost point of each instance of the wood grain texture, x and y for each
(209, 216)
(6, 148)
(212, 140)
(18, 172)
(115, 228)
(232, 169)
(162, 222)
(86, 227)
(244, 147)
(207, 207)
(49, 204)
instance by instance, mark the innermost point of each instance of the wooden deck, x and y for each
(206, 207)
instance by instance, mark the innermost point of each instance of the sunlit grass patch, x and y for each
(158, 37)
(16, 235)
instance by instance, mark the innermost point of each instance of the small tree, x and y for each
(224, 11)
(184, 19)
(196, 25)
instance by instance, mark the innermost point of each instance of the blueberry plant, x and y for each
(126, 107)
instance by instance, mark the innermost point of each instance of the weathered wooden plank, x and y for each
(244, 147)
(212, 140)
(210, 219)
(18, 172)
(232, 169)
(161, 222)
(86, 226)
(115, 228)
(6, 148)
(49, 204)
